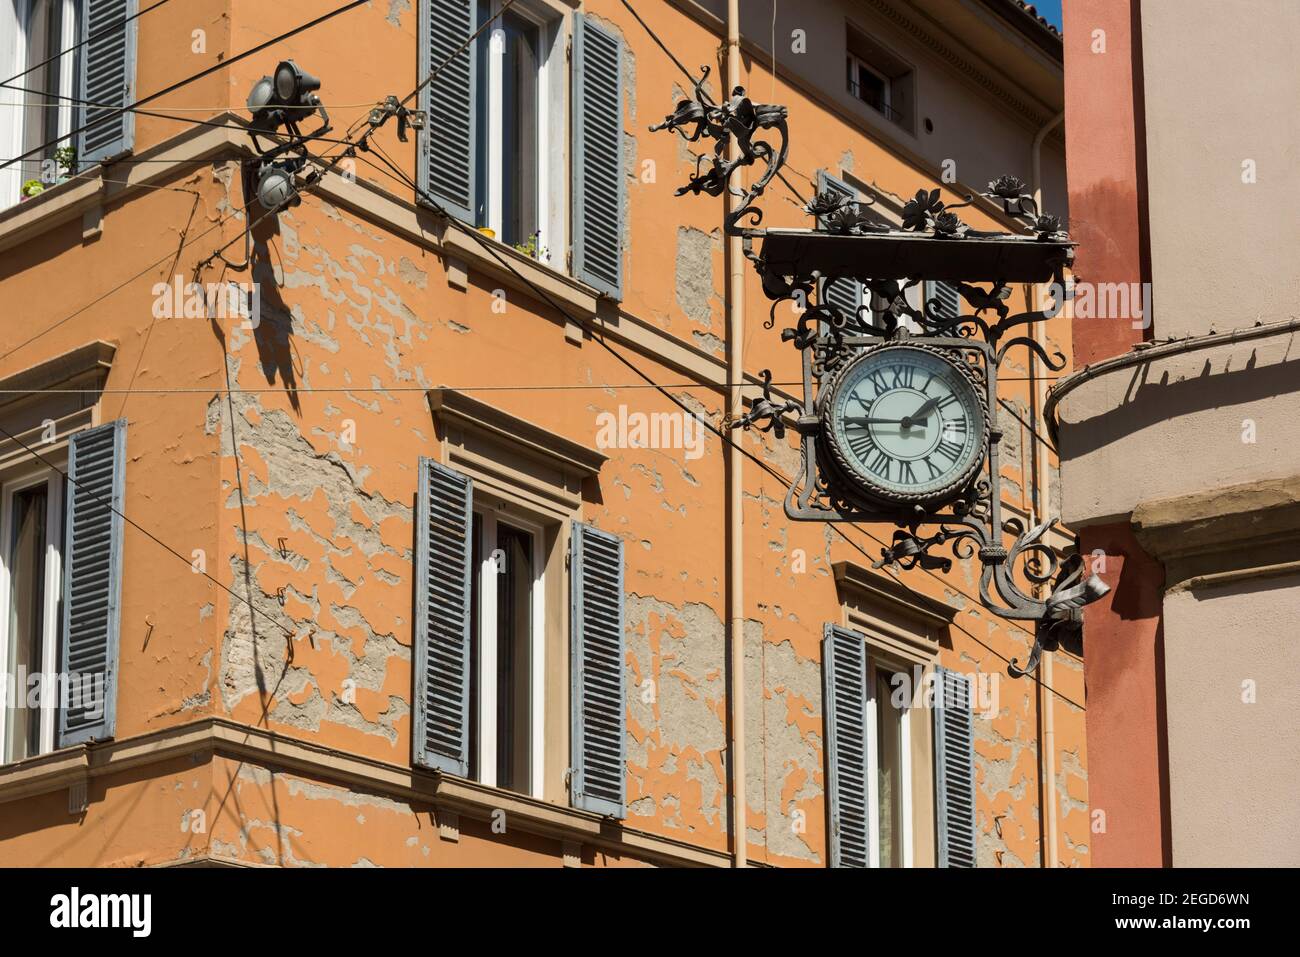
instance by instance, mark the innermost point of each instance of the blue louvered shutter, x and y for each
(844, 678)
(954, 769)
(599, 738)
(599, 186)
(444, 528)
(92, 582)
(948, 303)
(107, 78)
(448, 143)
(845, 294)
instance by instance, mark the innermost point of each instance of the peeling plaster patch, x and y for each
(322, 792)
(682, 652)
(257, 661)
(694, 274)
(412, 274)
(206, 612)
(256, 656)
(296, 470)
(785, 775)
(710, 789)
(1011, 435)
(709, 342)
(1001, 763)
(204, 697)
(395, 10)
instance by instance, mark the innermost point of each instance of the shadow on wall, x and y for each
(1147, 401)
(273, 331)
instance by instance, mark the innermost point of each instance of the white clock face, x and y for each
(906, 424)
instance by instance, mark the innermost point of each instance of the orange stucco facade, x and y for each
(283, 458)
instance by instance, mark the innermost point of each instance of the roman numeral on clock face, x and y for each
(907, 473)
(862, 445)
(954, 430)
(951, 449)
(904, 375)
(881, 464)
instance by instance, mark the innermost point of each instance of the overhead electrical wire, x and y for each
(174, 255)
(671, 56)
(140, 528)
(488, 246)
(207, 71)
(237, 127)
(112, 28)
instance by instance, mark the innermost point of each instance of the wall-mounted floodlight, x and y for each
(262, 104)
(277, 103)
(292, 84)
(284, 98)
(275, 189)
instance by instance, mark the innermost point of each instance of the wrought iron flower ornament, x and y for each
(1047, 226)
(825, 203)
(1007, 187)
(920, 209)
(948, 224)
(687, 112)
(739, 118)
(849, 219)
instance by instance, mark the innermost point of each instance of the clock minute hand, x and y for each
(870, 421)
(924, 411)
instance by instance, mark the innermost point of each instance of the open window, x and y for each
(524, 137)
(31, 578)
(60, 555)
(507, 650)
(880, 79)
(890, 759)
(900, 779)
(520, 106)
(32, 112)
(519, 646)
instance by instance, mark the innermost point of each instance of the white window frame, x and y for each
(15, 22)
(489, 518)
(873, 765)
(552, 141)
(858, 63)
(25, 477)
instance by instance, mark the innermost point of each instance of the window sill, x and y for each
(216, 736)
(100, 185)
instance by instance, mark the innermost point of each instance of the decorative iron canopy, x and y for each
(868, 405)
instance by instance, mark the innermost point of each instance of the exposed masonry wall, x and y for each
(298, 487)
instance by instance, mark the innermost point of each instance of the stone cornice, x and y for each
(200, 740)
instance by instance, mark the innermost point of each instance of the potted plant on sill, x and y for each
(66, 157)
(533, 248)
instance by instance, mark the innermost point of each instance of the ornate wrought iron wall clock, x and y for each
(899, 420)
(904, 425)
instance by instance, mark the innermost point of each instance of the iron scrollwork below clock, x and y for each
(904, 425)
